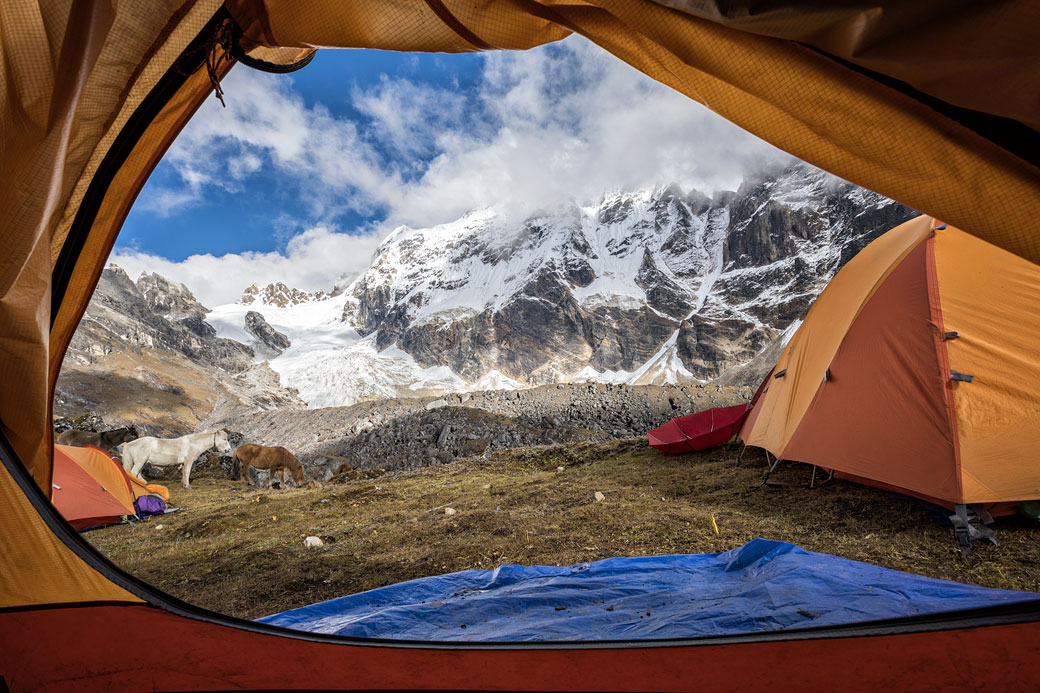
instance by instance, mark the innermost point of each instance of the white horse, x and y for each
(164, 453)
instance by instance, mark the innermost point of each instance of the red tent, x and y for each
(704, 429)
(699, 431)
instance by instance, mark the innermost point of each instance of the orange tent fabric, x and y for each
(932, 105)
(140, 488)
(87, 493)
(101, 464)
(916, 369)
(91, 488)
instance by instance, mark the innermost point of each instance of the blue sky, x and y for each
(299, 178)
(262, 212)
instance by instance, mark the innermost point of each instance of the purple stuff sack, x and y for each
(150, 504)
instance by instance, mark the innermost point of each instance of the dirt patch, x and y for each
(240, 551)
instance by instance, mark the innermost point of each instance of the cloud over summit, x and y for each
(537, 128)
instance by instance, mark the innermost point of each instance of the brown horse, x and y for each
(106, 440)
(276, 459)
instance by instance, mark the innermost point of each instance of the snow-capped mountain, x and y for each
(646, 287)
(278, 294)
(145, 354)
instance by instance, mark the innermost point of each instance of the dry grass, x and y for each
(240, 551)
(167, 392)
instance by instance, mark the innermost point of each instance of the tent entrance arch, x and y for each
(94, 95)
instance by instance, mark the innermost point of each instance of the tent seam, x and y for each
(453, 23)
(943, 358)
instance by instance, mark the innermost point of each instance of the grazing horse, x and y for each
(106, 440)
(164, 453)
(276, 459)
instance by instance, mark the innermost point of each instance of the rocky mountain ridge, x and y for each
(650, 287)
(144, 353)
(647, 287)
(412, 432)
(278, 294)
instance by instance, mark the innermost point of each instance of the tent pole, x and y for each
(768, 472)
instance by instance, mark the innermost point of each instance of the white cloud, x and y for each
(559, 121)
(565, 121)
(321, 158)
(305, 265)
(409, 117)
(575, 122)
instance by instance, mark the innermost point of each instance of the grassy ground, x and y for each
(240, 551)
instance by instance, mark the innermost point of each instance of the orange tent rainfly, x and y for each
(90, 488)
(88, 494)
(916, 370)
(931, 103)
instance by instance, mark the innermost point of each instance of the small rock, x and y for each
(559, 469)
(159, 526)
(436, 404)
(449, 511)
(599, 496)
(313, 542)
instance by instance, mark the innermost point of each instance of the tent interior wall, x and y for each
(932, 103)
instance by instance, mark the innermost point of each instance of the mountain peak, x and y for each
(168, 297)
(652, 286)
(278, 295)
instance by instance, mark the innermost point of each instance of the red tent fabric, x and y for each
(699, 431)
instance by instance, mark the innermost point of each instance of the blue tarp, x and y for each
(761, 586)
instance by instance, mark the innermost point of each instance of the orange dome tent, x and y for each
(87, 493)
(91, 488)
(916, 370)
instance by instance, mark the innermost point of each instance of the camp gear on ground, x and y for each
(641, 597)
